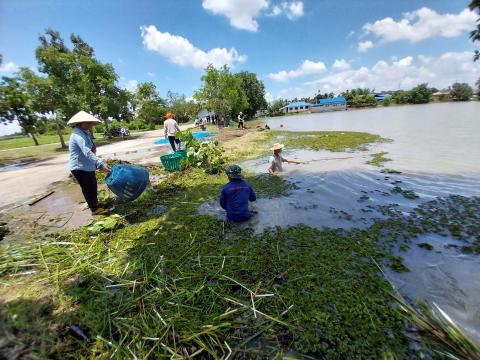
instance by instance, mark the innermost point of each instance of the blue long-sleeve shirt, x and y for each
(234, 198)
(81, 154)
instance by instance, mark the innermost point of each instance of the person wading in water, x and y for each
(275, 162)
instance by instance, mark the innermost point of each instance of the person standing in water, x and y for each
(236, 194)
(171, 128)
(83, 159)
(276, 160)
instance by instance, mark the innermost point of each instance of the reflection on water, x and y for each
(437, 148)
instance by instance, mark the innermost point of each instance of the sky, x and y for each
(296, 47)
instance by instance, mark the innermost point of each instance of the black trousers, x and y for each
(173, 140)
(88, 183)
(240, 125)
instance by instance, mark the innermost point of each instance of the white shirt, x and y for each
(171, 127)
(275, 163)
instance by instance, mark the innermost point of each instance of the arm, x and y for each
(292, 161)
(165, 130)
(87, 152)
(270, 167)
(223, 200)
(177, 127)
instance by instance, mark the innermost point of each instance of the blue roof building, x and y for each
(296, 107)
(329, 104)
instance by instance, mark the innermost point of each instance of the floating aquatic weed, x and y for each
(408, 194)
(378, 159)
(390, 171)
(425, 246)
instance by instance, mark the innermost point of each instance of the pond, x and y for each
(437, 149)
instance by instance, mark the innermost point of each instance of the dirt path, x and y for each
(19, 185)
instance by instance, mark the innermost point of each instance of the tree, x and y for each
(74, 80)
(255, 91)
(360, 97)
(274, 107)
(183, 110)
(461, 91)
(475, 34)
(221, 92)
(420, 94)
(151, 108)
(15, 106)
(401, 97)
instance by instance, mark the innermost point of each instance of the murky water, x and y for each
(437, 148)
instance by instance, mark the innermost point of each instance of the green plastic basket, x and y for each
(182, 153)
(171, 162)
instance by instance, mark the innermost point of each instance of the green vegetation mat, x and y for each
(184, 285)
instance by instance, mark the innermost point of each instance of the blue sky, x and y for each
(292, 45)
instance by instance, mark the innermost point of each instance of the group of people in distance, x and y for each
(234, 197)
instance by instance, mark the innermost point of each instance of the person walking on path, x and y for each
(236, 194)
(83, 160)
(171, 128)
(241, 120)
(276, 160)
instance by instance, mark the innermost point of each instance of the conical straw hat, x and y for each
(82, 117)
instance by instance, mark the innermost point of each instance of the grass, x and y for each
(32, 153)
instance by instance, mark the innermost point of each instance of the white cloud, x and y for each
(364, 46)
(241, 14)
(405, 73)
(341, 65)
(350, 34)
(180, 51)
(131, 85)
(307, 68)
(269, 97)
(421, 24)
(150, 74)
(292, 10)
(9, 67)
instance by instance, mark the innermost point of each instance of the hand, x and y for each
(106, 168)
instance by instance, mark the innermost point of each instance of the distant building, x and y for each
(296, 107)
(261, 112)
(443, 95)
(204, 113)
(330, 104)
(381, 96)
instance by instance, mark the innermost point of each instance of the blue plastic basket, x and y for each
(127, 181)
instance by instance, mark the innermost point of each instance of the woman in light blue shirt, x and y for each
(83, 159)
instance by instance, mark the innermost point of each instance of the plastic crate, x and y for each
(171, 162)
(127, 181)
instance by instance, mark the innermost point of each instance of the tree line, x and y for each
(364, 97)
(71, 78)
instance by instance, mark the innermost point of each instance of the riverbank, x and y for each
(168, 280)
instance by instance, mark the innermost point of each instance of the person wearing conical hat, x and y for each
(236, 194)
(83, 159)
(276, 160)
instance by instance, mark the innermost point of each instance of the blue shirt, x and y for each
(81, 154)
(234, 198)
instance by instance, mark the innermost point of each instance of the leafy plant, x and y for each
(206, 155)
(108, 223)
